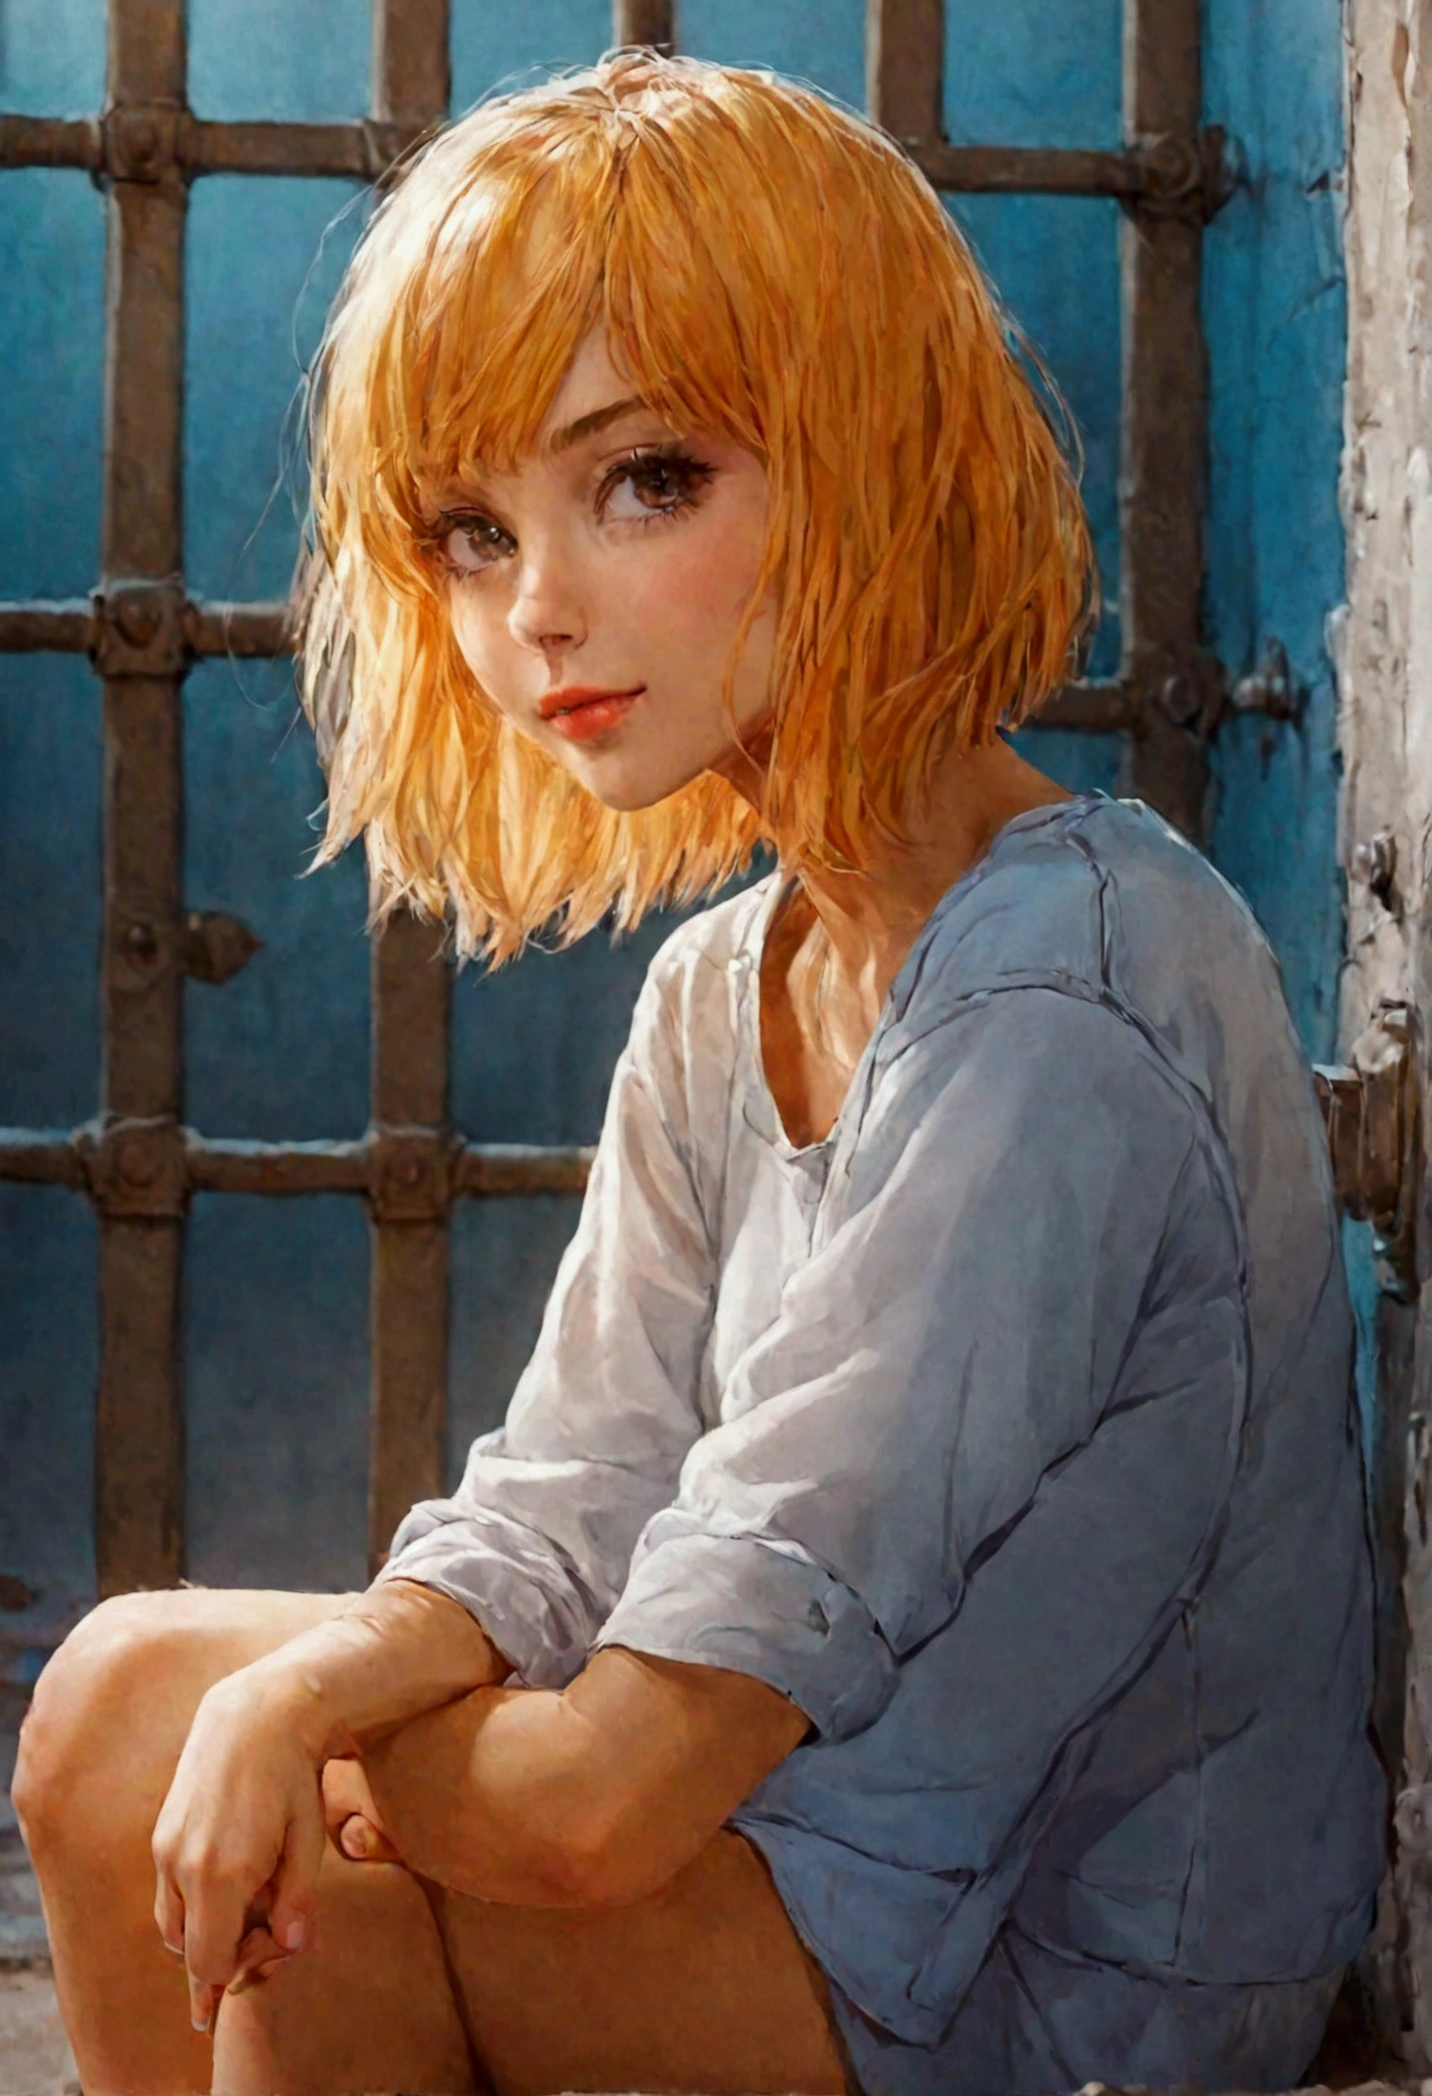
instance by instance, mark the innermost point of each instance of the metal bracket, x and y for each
(134, 1167)
(1371, 1109)
(1270, 689)
(139, 629)
(215, 945)
(1184, 177)
(142, 141)
(411, 1173)
(1193, 693)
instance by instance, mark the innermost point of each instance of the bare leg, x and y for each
(99, 1747)
(702, 1988)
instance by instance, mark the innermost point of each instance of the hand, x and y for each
(354, 1825)
(239, 1841)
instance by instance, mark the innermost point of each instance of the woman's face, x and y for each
(595, 593)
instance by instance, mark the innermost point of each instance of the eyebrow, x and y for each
(599, 419)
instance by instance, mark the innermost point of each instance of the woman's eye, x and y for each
(474, 543)
(660, 485)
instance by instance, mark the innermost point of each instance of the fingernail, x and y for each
(292, 1933)
(201, 2023)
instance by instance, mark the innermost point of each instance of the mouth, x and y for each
(581, 713)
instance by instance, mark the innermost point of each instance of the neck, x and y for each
(870, 920)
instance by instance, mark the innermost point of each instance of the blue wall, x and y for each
(275, 1292)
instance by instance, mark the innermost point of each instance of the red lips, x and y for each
(583, 711)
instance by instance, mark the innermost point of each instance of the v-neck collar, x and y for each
(771, 1124)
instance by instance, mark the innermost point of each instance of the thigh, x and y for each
(109, 1717)
(368, 2006)
(704, 1986)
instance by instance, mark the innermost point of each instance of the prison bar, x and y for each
(139, 1428)
(411, 997)
(1175, 168)
(1163, 430)
(480, 1171)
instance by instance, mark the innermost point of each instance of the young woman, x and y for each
(912, 1632)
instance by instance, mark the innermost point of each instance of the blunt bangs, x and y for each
(772, 270)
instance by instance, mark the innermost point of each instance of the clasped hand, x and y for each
(239, 1842)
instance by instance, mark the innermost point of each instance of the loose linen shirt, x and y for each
(1007, 1432)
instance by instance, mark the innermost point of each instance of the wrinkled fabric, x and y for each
(1009, 1433)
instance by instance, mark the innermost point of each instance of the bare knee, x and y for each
(101, 1724)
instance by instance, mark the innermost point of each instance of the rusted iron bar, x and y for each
(139, 1425)
(905, 73)
(649, 22)
(1164, 435)
(1184, 173)
(238, 629)
(1168, 169)
(1099, 707)
(210, 1165)
(74, 626)
(363, 151)
(41, 1157)
(50, 141)
(162, 136)
(492, 1170)
(410, 1139)
(66, 627)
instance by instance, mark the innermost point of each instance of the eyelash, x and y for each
(690, 474)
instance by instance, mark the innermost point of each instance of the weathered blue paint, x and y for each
(275, 1292)
(1275, 303)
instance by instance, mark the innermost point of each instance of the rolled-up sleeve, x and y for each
(1031, 1233)
(537, 1539)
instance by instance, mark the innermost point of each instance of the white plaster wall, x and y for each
(1383, 638)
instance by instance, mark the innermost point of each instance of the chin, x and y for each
(628, 793)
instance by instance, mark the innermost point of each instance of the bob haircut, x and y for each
(772, 270)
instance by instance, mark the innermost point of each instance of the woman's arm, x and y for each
(593, 1795)
(239, 1841)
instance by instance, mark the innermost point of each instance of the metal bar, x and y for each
(279, 149)
(650, 22)
(73, 628)
(411, 75)
(363, 151)
(274, 1168)
(139, 1426)
(66, 628)
(1105, 707)
(411, 989)
(41, 1157)
(49, 141)
(1161, 485)
(233, 629)
(480, 1171)
(491, 1170)
(904, 76)
(1059, 171)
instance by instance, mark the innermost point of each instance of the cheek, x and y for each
(479, 635)
(694, 590)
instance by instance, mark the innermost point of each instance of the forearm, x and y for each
(496, 1796)
(592, 1795)
(398, 1650)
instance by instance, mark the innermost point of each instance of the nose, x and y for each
(547, 613)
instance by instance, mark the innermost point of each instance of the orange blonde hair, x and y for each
(772, 270)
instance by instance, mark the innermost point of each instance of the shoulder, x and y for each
(1103, 901)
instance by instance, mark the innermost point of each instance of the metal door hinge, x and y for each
(1371, 1110)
